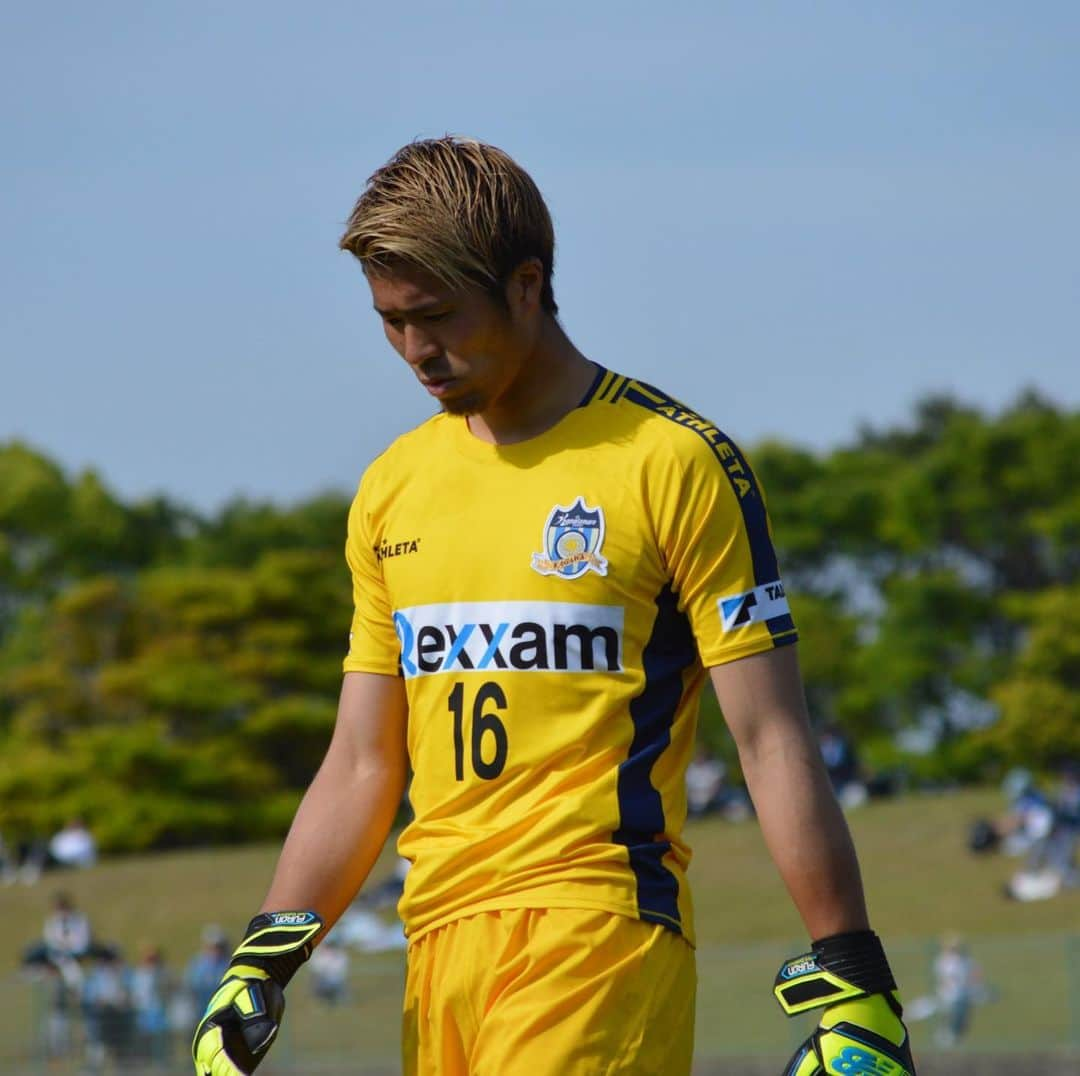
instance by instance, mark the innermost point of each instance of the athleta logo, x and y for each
(572, 538)
(523, 636)
(385, 550)
(761, 603)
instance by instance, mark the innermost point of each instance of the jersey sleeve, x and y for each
(715, 536)
(373, 644)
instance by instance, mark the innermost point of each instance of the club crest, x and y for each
(572, 540)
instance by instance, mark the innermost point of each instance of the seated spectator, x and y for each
(65, 940)
(73, 846)
(1054, 831)
(1029, 818)
(67, 930)
(31, 858)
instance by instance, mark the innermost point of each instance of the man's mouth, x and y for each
(439, 386)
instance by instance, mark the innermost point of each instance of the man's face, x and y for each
(462, 346)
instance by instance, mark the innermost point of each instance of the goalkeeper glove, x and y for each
(245, 1012)
(861, 1032)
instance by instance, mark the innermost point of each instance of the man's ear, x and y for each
(525, 286)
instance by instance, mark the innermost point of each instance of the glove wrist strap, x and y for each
(278, 943)
(857, 957)
(841, 967)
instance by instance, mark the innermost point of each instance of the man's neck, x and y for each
(552, 383)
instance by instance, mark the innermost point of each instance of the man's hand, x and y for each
(241, 1022)
(245, 1013)
(861, 1032)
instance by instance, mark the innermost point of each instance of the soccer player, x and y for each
(543, 575)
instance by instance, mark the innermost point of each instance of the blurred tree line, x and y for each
(172, 677)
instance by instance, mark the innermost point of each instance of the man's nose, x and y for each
(419, 345)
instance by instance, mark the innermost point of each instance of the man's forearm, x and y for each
(336, 836)
(805, 830)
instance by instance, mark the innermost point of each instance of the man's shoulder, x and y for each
(404, 450)
(669, 426)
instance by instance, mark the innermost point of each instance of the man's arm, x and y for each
(846, 972)
(338, 831)
(765, 709)
(347, 811)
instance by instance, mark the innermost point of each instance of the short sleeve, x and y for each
(373, 644)
(715, 536)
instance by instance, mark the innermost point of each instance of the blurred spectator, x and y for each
(1051, 852)
(72, 846)
(66, 944)
(205, 969)
(387, 893)
(842, 765)
(363, 929)
(31, 859)
(704, 783)
(151, 992)
(1026, 822)
(708, 792)
(67, 930)
(329, 971)
(956, 983)
(108, 1011)
(1029, 817)
(65, 940)
(61, 1013)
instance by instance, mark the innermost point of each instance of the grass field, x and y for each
(919, 877)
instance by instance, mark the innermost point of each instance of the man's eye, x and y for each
(442, 315)
(397, 324)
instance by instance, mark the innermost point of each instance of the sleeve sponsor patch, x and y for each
(753, 606)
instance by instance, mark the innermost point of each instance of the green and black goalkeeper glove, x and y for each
(861, 1032)
(245, 1012)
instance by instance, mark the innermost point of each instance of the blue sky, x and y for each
(796, 217)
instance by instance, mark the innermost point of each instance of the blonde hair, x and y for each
(462, 210)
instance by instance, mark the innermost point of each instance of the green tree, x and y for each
(1040, 696)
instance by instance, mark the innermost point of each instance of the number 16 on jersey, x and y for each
(484, 729)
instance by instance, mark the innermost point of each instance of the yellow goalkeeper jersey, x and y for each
(552, 606)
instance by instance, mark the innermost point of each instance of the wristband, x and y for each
(277, 943)
(841, 967)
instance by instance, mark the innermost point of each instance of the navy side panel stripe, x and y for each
(669, 651)
(743, 482)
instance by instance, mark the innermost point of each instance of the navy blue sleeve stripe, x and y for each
(622, 390)
(743, 483)
(668, 653)
(602, 378)
(612, 388)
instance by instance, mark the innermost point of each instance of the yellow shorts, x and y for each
(549, 992)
